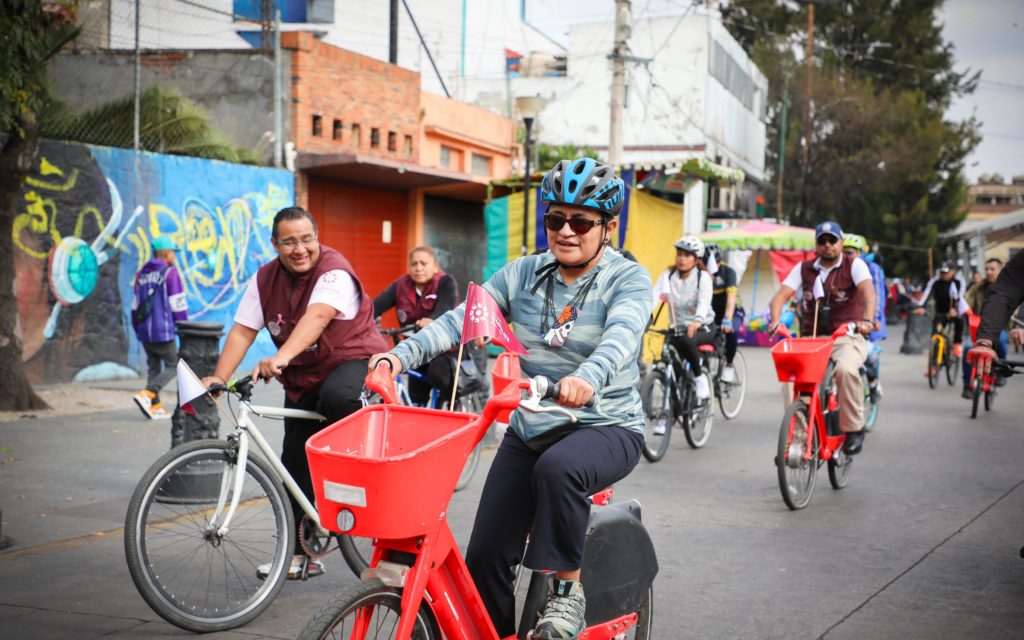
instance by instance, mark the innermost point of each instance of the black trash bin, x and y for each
(199, 348)
(917, 333)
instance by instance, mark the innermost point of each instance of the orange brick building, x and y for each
(384, 167)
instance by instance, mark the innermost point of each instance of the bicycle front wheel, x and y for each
(189, 574)
(699, 418)
(796, 458)
(367, 610)
(839, 469)
(975, 397)
(871, 401)
(933, 363)
(656, 397)
(990, 399)
(734, 392)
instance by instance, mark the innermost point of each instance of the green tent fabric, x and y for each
(762, 235)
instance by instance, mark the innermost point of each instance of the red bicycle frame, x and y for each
(438, 575)
(806, 381)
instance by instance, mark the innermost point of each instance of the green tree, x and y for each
(29, 38)
(882, 161)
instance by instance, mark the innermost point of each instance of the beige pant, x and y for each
(849, 354)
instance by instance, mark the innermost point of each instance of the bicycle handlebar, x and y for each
(549, 390)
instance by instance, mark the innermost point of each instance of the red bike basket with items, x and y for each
(803, 360)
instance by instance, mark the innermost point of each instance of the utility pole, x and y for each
(138, 81)
(623, 26)
(810, 72)
(393, 34)
(782, 146)
(278, 94)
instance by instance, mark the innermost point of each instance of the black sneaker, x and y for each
(563, 617)
(854, 443)
(967, 394)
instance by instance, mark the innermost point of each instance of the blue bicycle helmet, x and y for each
(584, 183)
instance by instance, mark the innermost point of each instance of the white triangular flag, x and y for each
(189, 387)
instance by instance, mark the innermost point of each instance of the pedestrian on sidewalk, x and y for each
(159, 302)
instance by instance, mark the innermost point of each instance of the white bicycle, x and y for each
(207, 514)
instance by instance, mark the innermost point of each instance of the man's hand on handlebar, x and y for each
(1017, 336)
(387, 358)
(422, 322)
(270, 367)
(216, 382)
(574, 392)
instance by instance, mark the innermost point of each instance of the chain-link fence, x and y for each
(189, 77)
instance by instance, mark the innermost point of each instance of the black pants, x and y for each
(958, 326)
(545, 494)
(687, 346)
(440, 373)
(337, 397)
(161, 363)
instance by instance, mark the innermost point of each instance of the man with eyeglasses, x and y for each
(835, 290)
(321, 321)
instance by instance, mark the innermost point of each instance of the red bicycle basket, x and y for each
(504, 372)
(802, 359)
(394, 467)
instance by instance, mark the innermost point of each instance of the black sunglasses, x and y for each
(578, 224)
(827, 239)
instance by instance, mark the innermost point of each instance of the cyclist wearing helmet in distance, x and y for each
(723, 301)
(687, 290)
(579, 309)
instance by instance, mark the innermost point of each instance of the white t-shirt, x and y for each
(335, 288)
(859, 270)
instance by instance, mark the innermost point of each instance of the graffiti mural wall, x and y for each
(88, 217)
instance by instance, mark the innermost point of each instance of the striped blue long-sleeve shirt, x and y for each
(602, 347)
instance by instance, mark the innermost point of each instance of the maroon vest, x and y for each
(844, 305)
(408, 306)
(284, 297)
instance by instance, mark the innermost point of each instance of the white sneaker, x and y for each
(659, 427)
(728, 374)
(702, 387)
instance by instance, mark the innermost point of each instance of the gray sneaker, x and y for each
(563, 617)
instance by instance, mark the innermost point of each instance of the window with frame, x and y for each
(392, 141)
(408, 146)
(337, 129)
(357, 136)
(374, 137)
(446, 156)
(480, 165)
(318, 125)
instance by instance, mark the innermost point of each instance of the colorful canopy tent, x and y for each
(762, 253)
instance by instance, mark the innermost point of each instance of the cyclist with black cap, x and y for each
(579, 309)
(947, 289)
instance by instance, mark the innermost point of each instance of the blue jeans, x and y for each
(873, 364)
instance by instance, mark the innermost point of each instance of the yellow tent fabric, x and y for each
(515, 225)
(654, 224)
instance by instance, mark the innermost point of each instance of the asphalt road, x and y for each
(923, 543)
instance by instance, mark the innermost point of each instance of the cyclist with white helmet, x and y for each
(579, 309)
(725, 303)
(686, 289)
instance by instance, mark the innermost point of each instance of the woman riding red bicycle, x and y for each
(575, 308)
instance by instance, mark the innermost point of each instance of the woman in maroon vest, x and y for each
(418, 297)
(314, 308)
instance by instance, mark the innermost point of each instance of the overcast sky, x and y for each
(987, 34)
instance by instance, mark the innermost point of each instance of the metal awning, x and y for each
(381, 172)
(986, 226)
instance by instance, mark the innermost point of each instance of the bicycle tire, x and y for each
(952, 368)
(975, 398)
(990, 399)
(733, 393)
(871, 403)
(644, 629)
(656, 399)
(839, 469)
(356, 551)
(933, 364)
(697, 423)
(796, 491)
(373, 598)
(211, 585)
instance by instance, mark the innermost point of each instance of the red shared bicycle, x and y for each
(388, 471)
(809, 435)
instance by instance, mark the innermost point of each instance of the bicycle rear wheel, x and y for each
(952, 369)
(839, 469)
(470, 404)
(367, 609)
(975, 397)
(659, 417)
(871, 402)
(990, 399)
(733, 393)
(796, 472)
(191, 576)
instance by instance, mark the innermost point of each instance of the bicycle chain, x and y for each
(314, 545)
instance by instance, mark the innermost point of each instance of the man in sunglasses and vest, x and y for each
(321, 321)
(835, 290)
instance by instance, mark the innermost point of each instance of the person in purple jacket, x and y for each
(159, 302)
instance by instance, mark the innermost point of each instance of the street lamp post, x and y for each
(529, 107)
